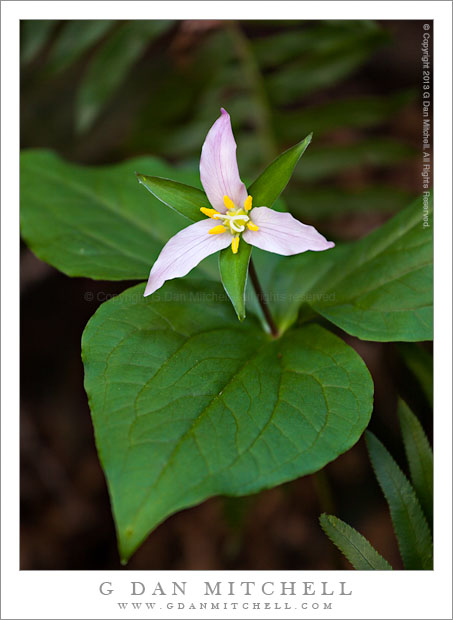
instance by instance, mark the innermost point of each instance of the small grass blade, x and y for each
(411, 528)
(355, 547)
(419, 456)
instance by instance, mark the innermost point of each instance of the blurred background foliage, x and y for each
(100, 92)
(103, 91)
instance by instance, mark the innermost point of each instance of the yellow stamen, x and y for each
(235, 245)
(209, 212)
(217, 230)
(248, 203)
(252, 226)
(228, 202)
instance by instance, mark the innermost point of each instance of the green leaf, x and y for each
(277, 49)
(310, 39)
(234, 272)
(325, 161)
(76, 38)
(184, 199)
(96, 222)
(315, 203)
(324, 67)
(378, 288)
(270, 184)
(359, 112)
(419, 456)
(33, 35)
(420, 362)
(411, 528)
(187, 403)
(357, 550)
(111, 64)
(381, 288)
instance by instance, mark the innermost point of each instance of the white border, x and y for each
(69, 594)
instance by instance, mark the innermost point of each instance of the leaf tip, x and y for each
(305, 143)
(325, 520)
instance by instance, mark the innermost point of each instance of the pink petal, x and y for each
(281, 233)
(184, 251)
(218, 165)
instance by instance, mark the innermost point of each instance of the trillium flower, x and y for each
(230, 217)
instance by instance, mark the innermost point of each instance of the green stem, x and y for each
(324, 492)
(327, 504)
(262, 300)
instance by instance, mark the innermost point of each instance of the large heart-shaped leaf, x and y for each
(382, 290)
(187, 403)
(379, 288)
(97, 222)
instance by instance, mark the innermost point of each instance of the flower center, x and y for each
(234, 221)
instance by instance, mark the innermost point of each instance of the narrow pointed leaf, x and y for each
(315, 203)
(355, 547)
(234, 272)
(34, 33)
(419, 456)
(76, 37)
(365, 111)
(270, 184)
(322, 162)
(309, 39)
(184, 199)
(111, 64)
(328, 62)
(187, 403)
(411, 528)
(420, 362)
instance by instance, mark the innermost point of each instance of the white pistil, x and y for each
(237, 228)
(235, 222)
